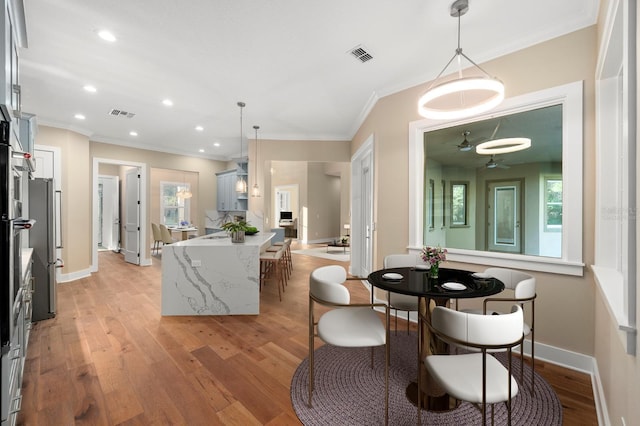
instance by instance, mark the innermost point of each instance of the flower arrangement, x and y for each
(433, 256)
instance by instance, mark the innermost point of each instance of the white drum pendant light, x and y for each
(463, 96)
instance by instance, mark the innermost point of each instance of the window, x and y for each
(173, 209)
(553, 205)
(560, 252)
(615, 266)
(459, 204)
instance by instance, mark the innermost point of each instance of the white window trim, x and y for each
(187, 203)
(570, 96)
(615, 267)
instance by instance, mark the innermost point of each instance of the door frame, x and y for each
(362, 228)
(144, 176)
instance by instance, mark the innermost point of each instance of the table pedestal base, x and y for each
(431, 403)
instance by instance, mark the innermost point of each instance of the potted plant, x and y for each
(236, 229)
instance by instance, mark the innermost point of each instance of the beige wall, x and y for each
(204, 199)
(77, 154)
(570, 312)
(76, 195)
(321, 192)
(556, 62)
(323, 203)
(307, 151)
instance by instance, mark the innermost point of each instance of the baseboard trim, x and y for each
(72, 276)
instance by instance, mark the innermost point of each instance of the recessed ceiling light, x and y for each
(216, 144)
(199, 128)
(201, 150)
(80, 116)
(167, 102)
(90, 88)
(106, 35)
(133, 133)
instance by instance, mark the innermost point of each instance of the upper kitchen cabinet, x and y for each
(228, 198)
(28, 130)
(14, 37)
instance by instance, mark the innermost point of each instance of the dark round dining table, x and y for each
(415, 281)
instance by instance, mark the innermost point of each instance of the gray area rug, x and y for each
(348, 392)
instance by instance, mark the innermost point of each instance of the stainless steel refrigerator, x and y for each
(42, 240)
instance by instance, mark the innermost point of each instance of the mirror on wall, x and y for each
(508, 202)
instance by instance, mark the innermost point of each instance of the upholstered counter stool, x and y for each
(272, 269)
(286, 246)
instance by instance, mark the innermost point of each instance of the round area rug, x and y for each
(348, 392)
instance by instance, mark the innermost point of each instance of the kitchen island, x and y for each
(210, 275)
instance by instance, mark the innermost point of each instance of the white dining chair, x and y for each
(397, 301)
(523, 287)
(475, 377)
(347, 324)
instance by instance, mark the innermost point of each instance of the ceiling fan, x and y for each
(492, 164)
(467, 145)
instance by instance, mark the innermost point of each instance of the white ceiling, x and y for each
(287, 59)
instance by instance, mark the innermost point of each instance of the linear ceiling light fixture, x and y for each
(463, 96)
(255, 191)
(241, 184)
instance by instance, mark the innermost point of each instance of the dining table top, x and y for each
(450, 283)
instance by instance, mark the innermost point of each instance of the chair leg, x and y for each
(533, 346)
(311, 345)
(408, 313)
(419, 367)
(395, 323)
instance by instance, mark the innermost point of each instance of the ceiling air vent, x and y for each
(120, 113)
(361, 54)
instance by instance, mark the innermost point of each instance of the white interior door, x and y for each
(132, 216)
(504, 209)
(110, 211)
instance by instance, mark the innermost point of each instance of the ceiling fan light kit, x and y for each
(462, 96)
(503, 146)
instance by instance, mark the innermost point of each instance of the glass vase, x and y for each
(433, 271)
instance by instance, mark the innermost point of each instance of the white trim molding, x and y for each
(570, 96)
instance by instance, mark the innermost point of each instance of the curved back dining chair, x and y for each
(476, 377)
(523, 286)
(346, 324)
(165, 234)
(397, 301)
(157, 237)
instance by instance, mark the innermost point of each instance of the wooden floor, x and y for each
(109, 358)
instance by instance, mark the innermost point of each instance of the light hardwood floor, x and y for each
(109, 358)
